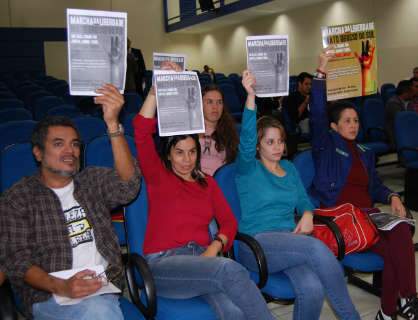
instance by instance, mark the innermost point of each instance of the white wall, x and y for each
(395, 20)
(396, 23)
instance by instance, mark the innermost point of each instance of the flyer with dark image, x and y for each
(268, 60)
(97, 50)
(179, 103)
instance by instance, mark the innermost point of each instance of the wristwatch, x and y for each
(217, 238)
(116, 133)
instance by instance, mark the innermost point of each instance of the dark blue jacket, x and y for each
(332, 158)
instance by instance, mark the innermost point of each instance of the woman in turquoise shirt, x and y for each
(270, 191)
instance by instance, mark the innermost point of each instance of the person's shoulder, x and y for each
(393, 102)
(24, 187)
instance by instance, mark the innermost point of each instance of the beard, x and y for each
(61, 172)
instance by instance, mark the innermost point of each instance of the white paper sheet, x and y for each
(66, 274)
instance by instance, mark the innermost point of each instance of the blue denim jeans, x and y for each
(182, 273)
(103, 307)
(312, 269)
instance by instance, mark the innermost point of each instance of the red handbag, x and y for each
(357, 229)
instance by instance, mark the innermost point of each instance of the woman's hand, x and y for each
(168, 65)
(212, 250)
(327, 54)
(397, 206)
(305, 225)
(248, 81)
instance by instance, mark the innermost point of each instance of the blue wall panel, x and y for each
(22, 49)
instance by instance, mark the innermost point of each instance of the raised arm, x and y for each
(318, 115)
(144, 127)
(248, 136)
(112, 102)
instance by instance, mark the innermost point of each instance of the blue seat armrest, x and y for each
(137, 264)
(259, 255)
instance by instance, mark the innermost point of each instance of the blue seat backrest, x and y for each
(90, 128)
(67, 110)
(14, 114)
(385, 87)
(98, 152)
(225, 177)
(136, 217)
(10, 102)
(16, 161)
(42, 105)
(16, 132)
(304, 163)
(231, 98)
(372, 115)
(406, 133)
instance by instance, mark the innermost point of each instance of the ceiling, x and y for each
(270, 8)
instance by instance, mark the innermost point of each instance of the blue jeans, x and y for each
(182, 273)
(103, 307)
(312, 269)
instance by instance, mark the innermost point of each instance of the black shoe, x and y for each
(379, 316)
(409, 310)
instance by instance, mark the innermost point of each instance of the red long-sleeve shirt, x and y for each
(178, 211)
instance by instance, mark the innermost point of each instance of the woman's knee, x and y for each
(318, 248)
(232, 270)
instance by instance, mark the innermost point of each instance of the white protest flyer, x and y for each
(179, 103)
(158, 57)
(97, 50)
(268, 60)
(66, 274)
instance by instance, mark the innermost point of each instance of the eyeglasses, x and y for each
(207, 145)
(113, 272)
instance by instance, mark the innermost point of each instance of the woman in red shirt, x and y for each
(182, 202)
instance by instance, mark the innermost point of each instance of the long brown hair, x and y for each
(225, 134)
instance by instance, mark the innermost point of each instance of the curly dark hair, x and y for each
(225, 135)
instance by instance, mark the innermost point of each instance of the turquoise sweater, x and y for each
(267, 201)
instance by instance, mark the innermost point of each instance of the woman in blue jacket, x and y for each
(345, 172)
(270, 191)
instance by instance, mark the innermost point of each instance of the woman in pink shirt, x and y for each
(219, 143)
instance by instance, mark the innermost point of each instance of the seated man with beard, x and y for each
(59, 219)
